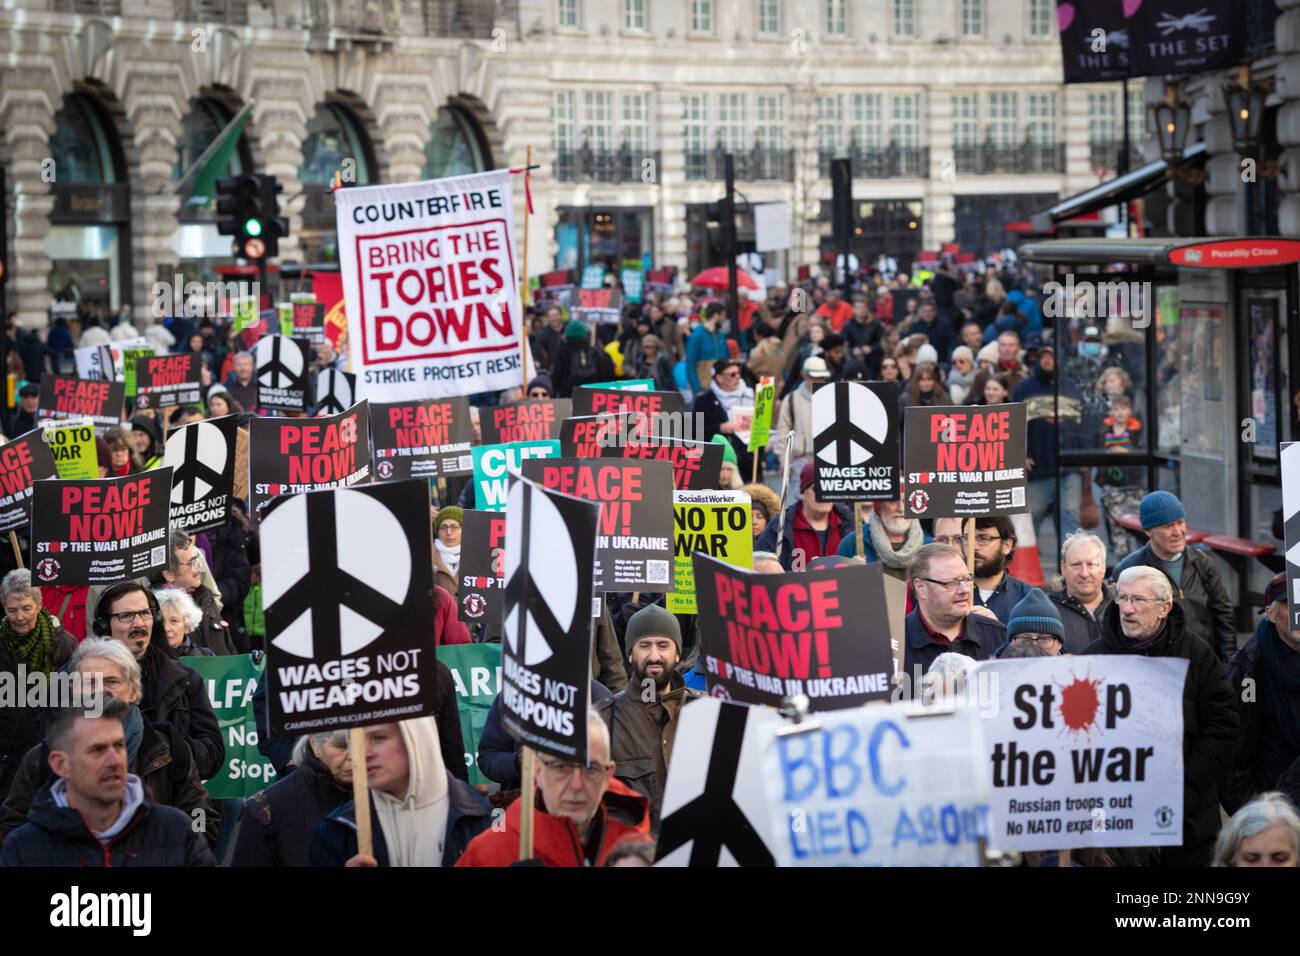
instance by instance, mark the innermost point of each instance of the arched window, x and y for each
(456, 145)
(206, 118)
(82, 149)
(333, 137)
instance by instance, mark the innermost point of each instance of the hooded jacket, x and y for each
(1207, 609)
(623, 814)
(278, 823)
(1210, 726)
(767, 541)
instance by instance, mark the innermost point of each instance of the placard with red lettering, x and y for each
(634, 543)
(594, 401)
(535, 420)
(432, 295)
(823, 633)
(66, 396)
(166, 381)
(309, 321)
(23, 461)
(696, 464)
(287, 456)
(100, 531)
(482, 556)
(961, 461)
(428, 439)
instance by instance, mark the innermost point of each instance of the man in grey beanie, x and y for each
(643, 718)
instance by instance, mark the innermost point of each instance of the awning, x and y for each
(1248, 252)
(1089, 220)
(1115, 192)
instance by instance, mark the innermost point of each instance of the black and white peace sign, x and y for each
(319, 572)
(858, 424)
(197, 454)
(541, 598)
(334, 391)
(279, 365)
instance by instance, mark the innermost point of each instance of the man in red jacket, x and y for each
(581, 813)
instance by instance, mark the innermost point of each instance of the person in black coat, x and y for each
(23, 418)
(728, 381)
(862, 340)
(1143, 619)
(499, 753)
(945, 618)
(233, 572)
(578, 362)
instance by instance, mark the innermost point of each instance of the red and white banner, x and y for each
(430, 284)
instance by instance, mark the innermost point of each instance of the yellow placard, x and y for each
(719, 523)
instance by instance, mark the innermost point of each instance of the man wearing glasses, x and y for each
(995, 545)
(943, 620)
(184, 571)
(582, 812)
(1085, 597)
(1035, 620)
(1143, 619)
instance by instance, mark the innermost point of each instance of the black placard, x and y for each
(964, 461)
(23, 461)
(282, 373)
(291, 455)
(202, 458)
(425, 439)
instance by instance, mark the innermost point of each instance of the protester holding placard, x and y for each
(943, 619)
(146, 441)
(446, 548)
(995, 546)
(23, 418)
(184, 572)
(811, 528)
(578, 363)
(715, 407)
(241, 383)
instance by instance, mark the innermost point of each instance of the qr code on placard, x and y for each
(465, 463)
(1017, 497)
(158, 555)
(656, 572)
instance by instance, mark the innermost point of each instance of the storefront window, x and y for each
(80, 146)
(1168, 381)
(1262, 312)
(455, 147)
(1203, 386)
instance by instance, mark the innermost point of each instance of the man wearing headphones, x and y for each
(173, 693)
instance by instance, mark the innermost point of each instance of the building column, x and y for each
(940, 211)
(282, 107)
(522, 110)
(27, 119)
(670, 213)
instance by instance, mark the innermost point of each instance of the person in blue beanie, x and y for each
(1035, 620)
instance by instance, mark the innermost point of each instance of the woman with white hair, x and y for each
(155, 755)
(181, 618)
(1265, 832)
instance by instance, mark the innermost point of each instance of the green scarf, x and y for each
(35, 649)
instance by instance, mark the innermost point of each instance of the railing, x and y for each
(466, 19)
(879, 162)
(985, 158)
(230, 12)
(89, 8)
(624, 165)
(753, 164)
(1104, 153)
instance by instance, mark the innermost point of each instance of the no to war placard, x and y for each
(716, 523)
(72, 444)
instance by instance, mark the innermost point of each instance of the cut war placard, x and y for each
(202, 458)
(23, 461)
(965, 461)
(533, 420)
(100, 531)
(232, 681)
(72, 443)
(292, 455)
(483, 548)
(1085, 751)
(426, 439)
(716, 523)
(282, 373)
(493, 465)
(64, 396)
(476, 672)
(855, 441)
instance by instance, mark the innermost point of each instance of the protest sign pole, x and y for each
(754, 479)
(857, 530)
(523, 274)
(1063, 859)
(18, 553)
(526, 773)
(970, 546)
(360, 790)
(785, 485)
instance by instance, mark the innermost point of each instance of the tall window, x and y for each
(905, 119)
(769, 18)
(602, 119)
(837, 18)
(1101, 118)
(972, 18)
(904, 18)
(1041, 128)
(695, 113)
(568, 13)
(731, 121)
(965, 119)
(830, 124)
(598, 119)
(636, 121)
(1002, 111)
(701, 16)
(1040, 18)
(866, 125)
(1137, 114)
(769, 120)
(634, 14)
(564, 120)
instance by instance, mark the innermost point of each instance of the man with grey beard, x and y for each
(889, 537)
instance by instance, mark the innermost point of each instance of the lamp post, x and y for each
(1173, 121)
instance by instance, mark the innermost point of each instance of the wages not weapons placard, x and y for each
(533, 420)
(290, 455)
(824, 633)
(282, 373)
(426, 439)
(634, 541)
(64, 396)
(482, 556)
(232, 681)
(432, 295)
(1085, 751)
(349, 637)
(100, 531)
(202, 458)
(1291, 527)
(336, 391)
(716, 523)
(964, 461)
(23, 461)
(476, 673)
(493, 465)
(855, 441)
(72, 443)
(166, 381)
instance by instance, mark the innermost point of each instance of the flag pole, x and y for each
(523, 278)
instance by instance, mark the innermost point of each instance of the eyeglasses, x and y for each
(1137, 602)
(130, 617)
(558, 770)
(984, 540)
(1040, 639)
(956, 540)
(732, 374)
(194, 564)
(448, 526)
(964, 581)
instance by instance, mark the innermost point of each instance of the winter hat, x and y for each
(29, 390)
(728, 452)
(989, 353)
(765, 498)
(653, 620)
(806, 477)
(450, 513)
(1160, 507)
(963, 352)
(1035, 614)
(150, 425)
(815, 367)
(927, 353)
(541, 380)
(575, 331)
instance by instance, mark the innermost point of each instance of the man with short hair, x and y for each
(242, 383)
(23, 418)
(943, 620)
(185, 415)
(643, 717)
(581, 814)
(811, 528)
(1198, 587)
(863, 335)
(795, 417)
(184, 571)
(97, 814)
(1144, 620)
(1085, 595)
(995, 546)
(706, 345)
(1035, 620)
(550, 339)
(932, 325)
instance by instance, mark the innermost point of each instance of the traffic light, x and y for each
(272, 227)
(236, 203)
(248, 210)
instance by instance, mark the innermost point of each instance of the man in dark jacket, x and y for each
(995, 546)
(96, 813)
(500, 755)
(233, 573)
(547, 342)
(184, 571)
(642, 719)
(1043, 438)
(812, 528)
(1084, 598)
(578, 362)
(1198, 587)
(23, 418)
(935, 327)
(862, 335)
(945, 619)
(1144, 620)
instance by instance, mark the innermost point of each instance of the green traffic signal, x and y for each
(253, 227)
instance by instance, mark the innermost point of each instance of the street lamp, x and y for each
(1245, 101)
(1173, 121)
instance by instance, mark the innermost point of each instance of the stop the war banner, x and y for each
(482, 556)
(231, 681)
(428, 439)
(824, 633)
(432, 295)
(695, 464)
(855, 441)
(100, 531)
(1085, 751)
(493, 465)
(72, 444)
(166, 381)
(596, 401)
(634, 549)
(476, 672)
(546, 643)
(65, 396)
(716, 523)
(965, 461)
(23, 461)
(892, 785)
(534, 420)
(347, 584)
(283, 366)
(291, 455)
(202, 457)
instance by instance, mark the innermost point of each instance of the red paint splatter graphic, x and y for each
(1079, 704)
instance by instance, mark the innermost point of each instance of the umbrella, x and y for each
(716, 278)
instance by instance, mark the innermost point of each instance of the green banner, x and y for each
(244, 312)
(493, 465)
(231, 682)
(476, 671)
(761, 429)
(129, 358)
(72, 444)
